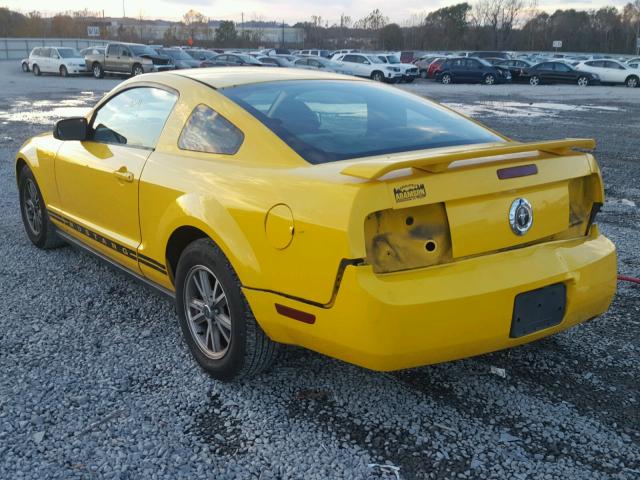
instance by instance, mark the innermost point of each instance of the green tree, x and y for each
(391, 37)
(226, 33)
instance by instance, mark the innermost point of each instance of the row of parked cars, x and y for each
(534, 70)
(135, 59)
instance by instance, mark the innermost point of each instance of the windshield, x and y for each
(139, 50)
(484, 62)
(329, 120)
(176, 54)
(392, 59)
(69, 53)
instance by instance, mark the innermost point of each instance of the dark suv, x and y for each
(472, 70)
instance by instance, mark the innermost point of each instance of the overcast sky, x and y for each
(290, 11)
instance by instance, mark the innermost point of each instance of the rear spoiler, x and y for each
(437, 162)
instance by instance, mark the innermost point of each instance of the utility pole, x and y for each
(123, 14)
(282, 34)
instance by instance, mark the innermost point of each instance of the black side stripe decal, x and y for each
(147, 261)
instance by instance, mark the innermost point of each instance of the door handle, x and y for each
(123, 174)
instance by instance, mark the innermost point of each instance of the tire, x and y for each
(36, 70)
(535, 81)
(63, 71)
(37, 223)
(446, 79)
(97, 70)
(583, 81)
(137, 70)
(489, 79)
(632, 81)
(410, 79)
(245, 350)
(25, 67)
(377, 76)
(424, 74)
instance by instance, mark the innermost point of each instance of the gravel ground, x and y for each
(96, 381)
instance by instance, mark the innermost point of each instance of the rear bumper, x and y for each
(408, 319)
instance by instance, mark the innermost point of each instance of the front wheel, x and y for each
(446, 79)
(137, 70)
(377, 76)
(489, 79)
(535, 81)
(632, 81)
(36, 70)
(37, 224)
(216, 320)
(97, 70)
(423, 74)
(63, 71)
(583, 81)
(25, 67)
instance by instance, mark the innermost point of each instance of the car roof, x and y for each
(221, 77)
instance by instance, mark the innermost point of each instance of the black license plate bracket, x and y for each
(538, 309)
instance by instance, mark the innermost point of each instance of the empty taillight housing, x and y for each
(407, 238)
(585, 201)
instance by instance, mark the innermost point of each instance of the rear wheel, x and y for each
(216, 319)
(535, 80)
(631, 81)
(423, 74)
(446, 79)
(137, 70)
(489, 79)
(377, 76)
(583, 81)
(97, 70)
(63, 71)
(36, 70)
(37, 224)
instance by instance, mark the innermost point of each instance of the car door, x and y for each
(616, 72)
(98, 178)
(54, 61)
(473, 70)
(112, 58)
(544, 71)
(125, 64)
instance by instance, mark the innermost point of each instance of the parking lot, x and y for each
(98, 383)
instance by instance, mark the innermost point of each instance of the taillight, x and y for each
(585, 201)
(407, 238)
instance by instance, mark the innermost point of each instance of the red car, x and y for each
(435, 67)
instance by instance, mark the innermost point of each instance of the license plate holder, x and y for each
(538, 309)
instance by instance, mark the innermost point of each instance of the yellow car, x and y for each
(339, 214)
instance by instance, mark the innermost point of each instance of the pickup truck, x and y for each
(127, 59)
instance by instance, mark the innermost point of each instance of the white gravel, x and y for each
(96, 381)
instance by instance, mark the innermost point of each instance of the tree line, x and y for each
(482, 25)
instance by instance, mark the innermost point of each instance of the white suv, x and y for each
(64, 61)
(611, 71)
(409, 70)
(370, 66)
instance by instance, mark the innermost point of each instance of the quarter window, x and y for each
(134, 117)
(208, 131)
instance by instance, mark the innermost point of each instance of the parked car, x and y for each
(409, 70)
(634, 60)
(343, 51)
(232, 60)
(489, 54)
(127, 59)
(323, 64)
(435, 67)
(315, 53)
(472, 70)
(422, 64)
(274, 61)
(408, 56)
(270, 210)
(61, 60)
(370, 66)
(559, 72)
(180, 58)
(517, 68)
(611, 71)
(201, 55)
(24, 65)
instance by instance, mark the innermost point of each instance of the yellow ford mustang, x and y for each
(342, 215)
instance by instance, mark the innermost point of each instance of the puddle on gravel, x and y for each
(525, 109)
(47, 111)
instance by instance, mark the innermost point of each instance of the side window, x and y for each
(545, 66)
(315, 63)
(302, 61)
(561, 67)
(125, 52)
(349, 58)
(112, 50)
(209, 132)
(134, 117)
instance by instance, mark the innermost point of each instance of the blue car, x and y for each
(472, 70)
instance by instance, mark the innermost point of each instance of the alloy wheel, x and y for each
(583, 81)
(446, 79)
(534, 81)
(207, 311)
(138, 70)
(32, 207)
(632, 82)
(489, 80)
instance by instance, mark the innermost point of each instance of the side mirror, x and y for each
(74, 128)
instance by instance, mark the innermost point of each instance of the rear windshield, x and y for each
(329, 120)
